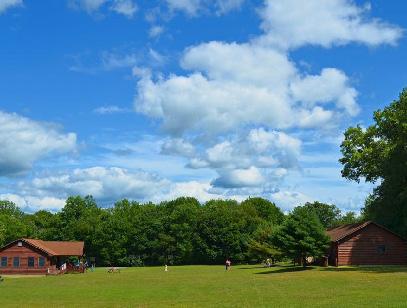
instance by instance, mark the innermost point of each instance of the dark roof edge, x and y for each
(364, 225)
(29, 243)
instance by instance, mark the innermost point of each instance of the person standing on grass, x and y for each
(228, 263)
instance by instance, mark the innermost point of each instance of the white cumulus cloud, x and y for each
(103, 183)
(293, 23)
(232, 85)
(24, 141)
(178, 146)
(236, 178)
(34, 203)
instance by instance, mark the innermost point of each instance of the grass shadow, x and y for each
(285, 269)
(368, 269)
(253, 267)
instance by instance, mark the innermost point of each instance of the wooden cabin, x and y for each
(366, 243)
(29, 256)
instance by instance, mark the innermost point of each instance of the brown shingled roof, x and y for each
(340, 232)
(57, 248)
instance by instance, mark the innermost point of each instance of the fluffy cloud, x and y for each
(290, 24)
(24, 141)
(124, 7)
(237, 178)
(34, 203)
(230, 84)
(330, 86)
(178, 147)
(7, 4)
(106, 184)
(250, 161)
(259, 148)
(220, 95)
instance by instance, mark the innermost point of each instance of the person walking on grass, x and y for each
(228, 264)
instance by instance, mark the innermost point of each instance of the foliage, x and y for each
(378, 155)
(328, 214)
(13, 223)
(349, 218)
(302, 235)
(181, 231)
(261, 244)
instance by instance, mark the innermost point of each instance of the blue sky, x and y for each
(150, 100)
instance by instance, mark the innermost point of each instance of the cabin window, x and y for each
(20, 244)
(3, 261)
(41, 261)
(16, 261)
(381, 249)
(30, 261)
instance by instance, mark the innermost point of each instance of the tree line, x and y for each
(181, 231)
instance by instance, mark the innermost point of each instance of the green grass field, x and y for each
(211, 286)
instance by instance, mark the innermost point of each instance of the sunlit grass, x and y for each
(212, 286)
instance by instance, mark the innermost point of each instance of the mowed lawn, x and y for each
(212, 286)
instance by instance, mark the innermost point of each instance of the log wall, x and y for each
(23, 253)
(365, 247)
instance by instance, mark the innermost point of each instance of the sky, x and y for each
(152, 100)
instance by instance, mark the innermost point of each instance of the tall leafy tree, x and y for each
(13, 222)
(349, 218)
(179, 233)
(45, 225)
(220, 232)
(378, 154)
(261, 245)
(328, 214)
(81, 220)
(301, 236)
(264, 210)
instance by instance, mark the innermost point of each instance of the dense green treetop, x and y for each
(328, 214)
(378, 154)
(302, 235)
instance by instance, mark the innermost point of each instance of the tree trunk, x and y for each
(304, 261)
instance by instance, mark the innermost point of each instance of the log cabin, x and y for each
(366, 243)
(30, 256)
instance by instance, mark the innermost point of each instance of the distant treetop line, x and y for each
(181, 231)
